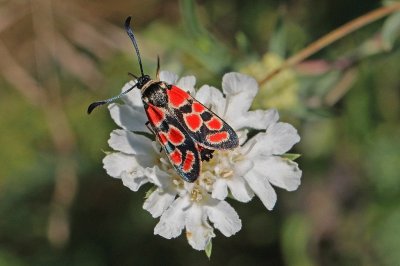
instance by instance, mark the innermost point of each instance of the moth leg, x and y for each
(205, 154)
(149, 127)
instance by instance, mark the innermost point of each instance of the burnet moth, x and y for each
(188, 131)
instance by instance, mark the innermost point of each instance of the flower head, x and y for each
(249, 170)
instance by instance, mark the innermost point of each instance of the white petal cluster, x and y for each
(251, 169)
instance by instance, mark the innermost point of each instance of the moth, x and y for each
(188, 131)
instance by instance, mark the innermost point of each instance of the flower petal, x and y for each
(263, 189)
(158, 202)
(280, 172)
(172, 221)
(134, 97)
(240, 168)
(116, 163)
(278, 139)
(130, 143)
(220, 189)
(258, 119)
(271, 117)
(237, 185)
(187, 84)
(240, 91)
(160, 178)
(234, 83)
(134, 180)
(242, 135)
(212, 98)
(168, 77)
(240, 189)
(223, 216)
(128, 117)
(198, 230)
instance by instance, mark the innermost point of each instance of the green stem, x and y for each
(333, 36)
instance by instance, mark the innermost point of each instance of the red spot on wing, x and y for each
(218, 137)
(193, 121)
(198, 107)
(155, 115)
(177, 97)
(176, 157)
(214, 124)
(163, 138)
(175, 136)
(188, 163)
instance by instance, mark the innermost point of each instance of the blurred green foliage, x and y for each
(58, 206)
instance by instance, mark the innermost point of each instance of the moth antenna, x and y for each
(133, 39)
(158, 68)
(98, 103)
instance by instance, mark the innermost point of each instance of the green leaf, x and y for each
(208, 249)
(391, 30)
(390, 2)
(107, 152)
(296, 237)
(188, 11)
(150, 191)
(201, 44)
(277, 42)
(242, 42)
(291, 156)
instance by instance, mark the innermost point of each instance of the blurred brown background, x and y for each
(58, 206)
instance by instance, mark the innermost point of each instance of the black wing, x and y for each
(180, 148)
(200, 123)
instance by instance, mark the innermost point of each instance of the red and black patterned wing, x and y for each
(183, 153)
(203, 125)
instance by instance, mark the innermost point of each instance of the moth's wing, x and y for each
(180, 148)
(200, 123)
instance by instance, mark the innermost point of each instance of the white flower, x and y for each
(251, 169)
(192, 210)
(255, 165)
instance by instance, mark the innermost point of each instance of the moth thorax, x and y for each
(156, 95)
